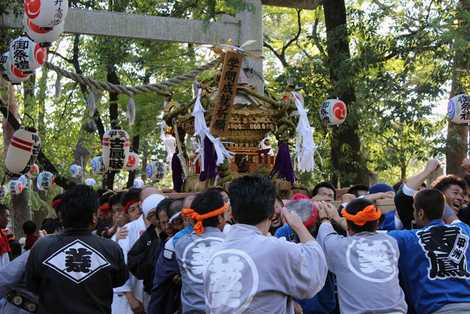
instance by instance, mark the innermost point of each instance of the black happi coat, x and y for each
(75, 272)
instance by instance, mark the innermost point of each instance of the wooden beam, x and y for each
(297, 4)
(105, 23)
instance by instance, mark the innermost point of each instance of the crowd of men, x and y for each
(245, 250)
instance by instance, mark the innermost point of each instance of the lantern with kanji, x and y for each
(26, 54)
(15, 187)
(46, 13)
(75, 171)
(458, 109)
(133, 161)
(12, 73)
(333, 112)
(42, 35)
(22, 151)
(97, 165)
(115, 149)
(44, 181)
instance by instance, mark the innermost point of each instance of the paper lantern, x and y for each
(458, 109)
(12, 73)
(138, 183)
(133, 161)
(44, 181)
(90, 182)
(155, 170)
(46, 13)
(333, 112)
(43, 35)
(15, 187)
(25, 181)
(75, 171)
(97, 165)
(27, 55)
(22, 151)
(34, 170)
(115, 148)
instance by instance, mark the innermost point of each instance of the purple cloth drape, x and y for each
(283, 164)
(177, 173)
(210, 159)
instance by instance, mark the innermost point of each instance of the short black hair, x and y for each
(105, 197)
(444, 182)
(324, 184)
(164, 205)
(356, 188)
(131, 196)
(51, 225)
(29, 227)
(78, 206)
(208, 201)
(3, 209)
(431, 201)
(252, 199)
(116, 198)
(356, 206)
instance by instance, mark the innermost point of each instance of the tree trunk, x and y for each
(457, 135)
(112, 77)
(348, 162)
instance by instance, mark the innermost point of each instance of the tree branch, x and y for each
(316, 39)
(297, 35)
(277, 54)
(53, 52)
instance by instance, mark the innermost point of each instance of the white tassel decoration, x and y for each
(305, 146)
(131, 111)
(91, 103)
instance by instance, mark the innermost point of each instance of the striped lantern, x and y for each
(44, 181)
(133, 161)
(22, 151)
(115, 149)
(46, 13)
(15, 187)
(27, 55)
(333, 112)
(42, 35)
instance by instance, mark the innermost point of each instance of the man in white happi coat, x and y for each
(130, 297)
(253, 272)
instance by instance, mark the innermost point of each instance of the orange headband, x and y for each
(370, 213)
(198, 226)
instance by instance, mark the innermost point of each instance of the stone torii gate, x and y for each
(246, 25)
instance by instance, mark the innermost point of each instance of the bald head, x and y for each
(147, 192)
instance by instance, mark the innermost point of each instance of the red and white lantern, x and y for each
(115, 149)
(133, 161)
(333, 112)
(46, 13)
(13, 74)
(22, 151)
(43, 35)
(26, 54)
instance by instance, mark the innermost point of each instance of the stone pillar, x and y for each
(251, 28)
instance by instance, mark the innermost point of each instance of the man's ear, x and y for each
(420, 213)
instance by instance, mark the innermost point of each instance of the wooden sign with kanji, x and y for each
(227, 91)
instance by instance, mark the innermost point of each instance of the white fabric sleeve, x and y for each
(408, 191)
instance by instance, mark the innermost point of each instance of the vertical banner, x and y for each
(227, 91)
